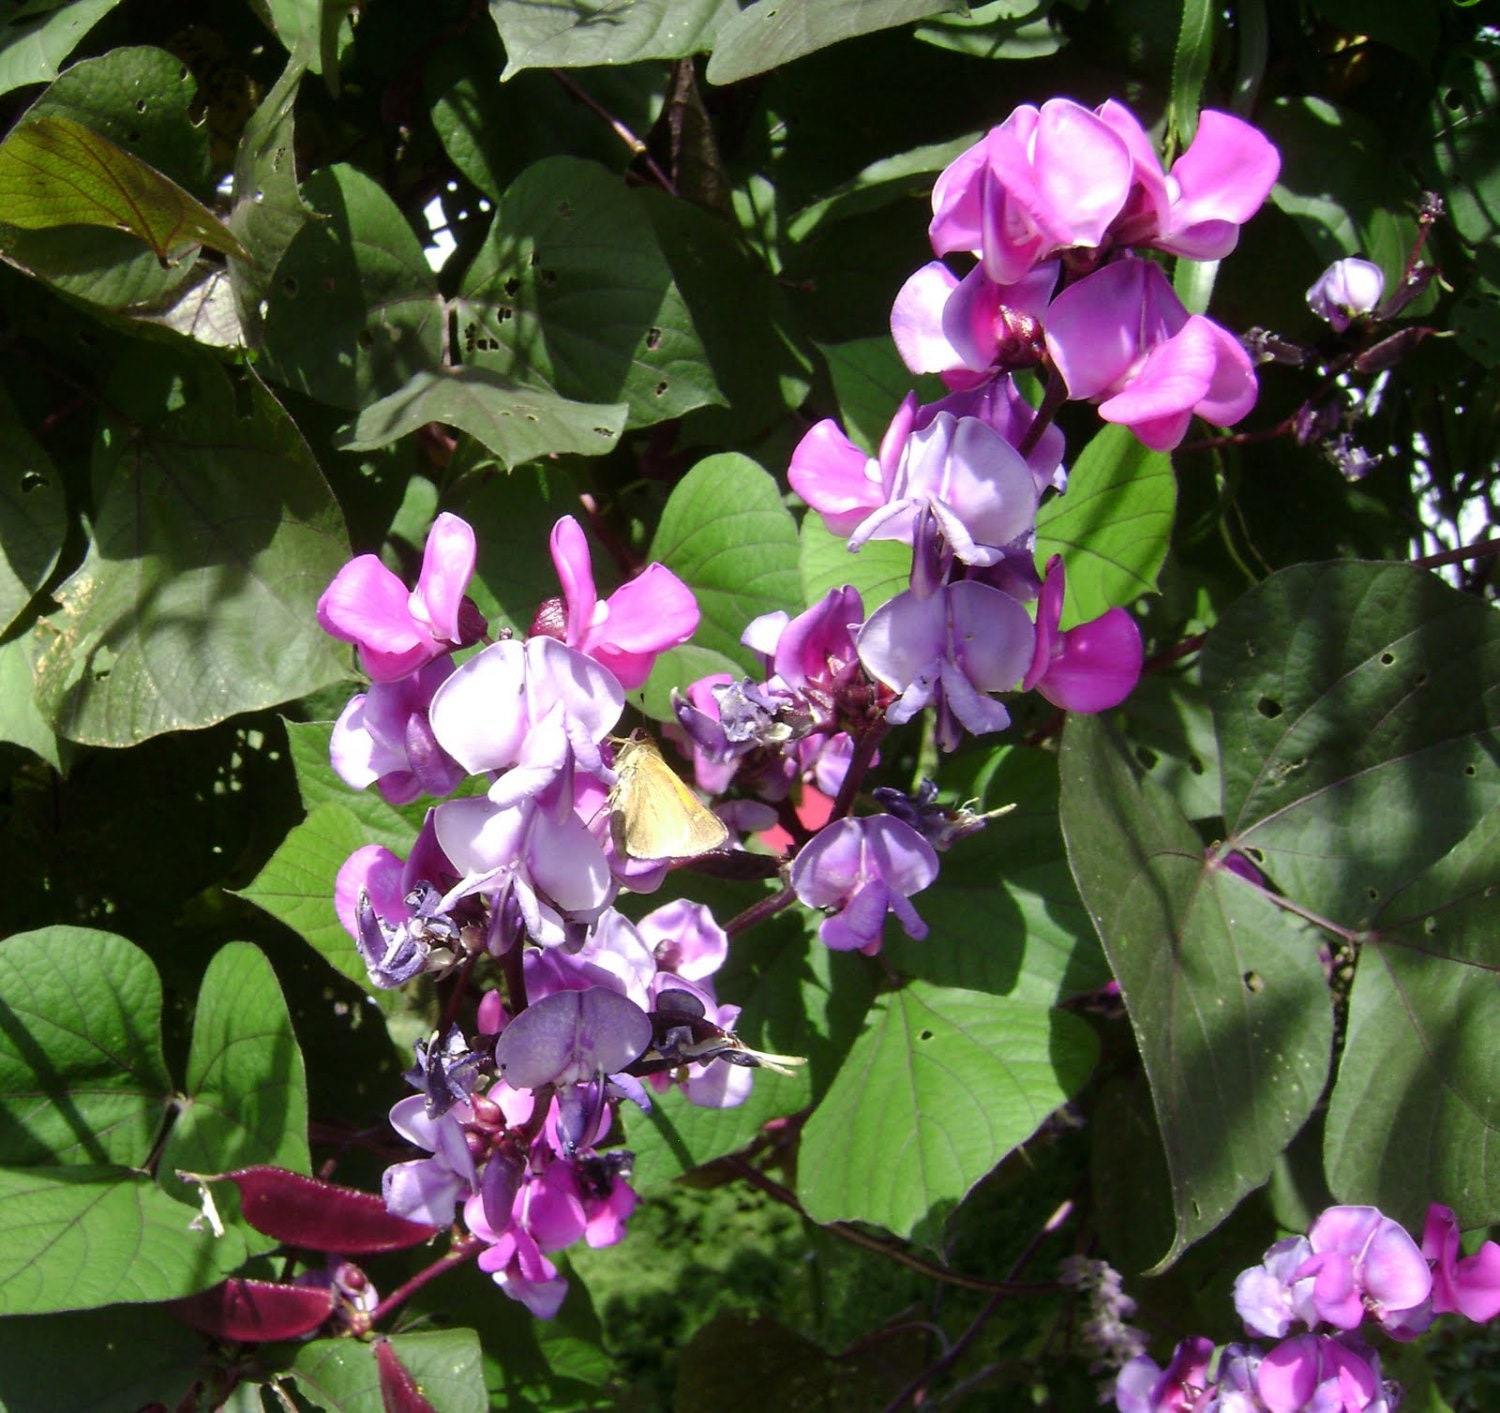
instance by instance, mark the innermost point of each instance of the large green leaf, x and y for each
(516, 422)
(943, 1084)
(55, 172)
(116, 1360)
(75, 1238)
(353, 311)
(571, 290)
(869, 380)
(82, 1078)
(728, 537)
(1113, 525)
(214, 536)
(1416, 1112)
(33, 515)
(341, 1374)
(769, 33)
(32, 49)
(1357, 706)
(246, 1092)
(578, 34)
(21, 723)
(1225, 992)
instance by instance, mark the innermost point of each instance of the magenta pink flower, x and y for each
(1363, 1262)
(397, 630)
(1468, 1284)
(625, 632)
(1121, 337)
(1089, 668)
(1046, 180)
(1320, 1374)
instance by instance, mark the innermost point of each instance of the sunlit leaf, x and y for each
(576, 34)
(32, 49)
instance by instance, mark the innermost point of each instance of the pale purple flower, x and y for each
(1271, 1297)
(1121, 337)
(642, 618)
(396, 629)
(384, 738)
(1045, 181)
(427, 1190)
(685, 940)
(1345, 290)
(571, 1037)
(1091, 667)
(864, 868)
(997, 402)
(950, 650)
(1468, 1284)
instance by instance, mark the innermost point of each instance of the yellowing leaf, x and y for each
(55, 172)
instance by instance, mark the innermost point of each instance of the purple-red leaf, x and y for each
(398, 1390)
(321, 1216)
(256, 1310)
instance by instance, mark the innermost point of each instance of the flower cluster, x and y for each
(1354, 1267)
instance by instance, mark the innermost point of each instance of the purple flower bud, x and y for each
(1346, 290)
(863, 869)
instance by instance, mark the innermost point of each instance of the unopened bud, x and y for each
(1346, 290)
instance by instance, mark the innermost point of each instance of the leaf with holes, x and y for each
(728, 537)
(940, 1087)
(1113, 525)
(516, 422)
(571, 291)
(1226, 995)
(214, 535)
(55, 172)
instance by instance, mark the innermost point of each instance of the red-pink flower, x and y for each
(1468, 1284)
(1089, 668)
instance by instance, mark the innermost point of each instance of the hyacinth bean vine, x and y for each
(722, 704)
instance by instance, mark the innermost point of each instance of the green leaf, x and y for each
(246, 1088)
(20, 721)
(80, 1237)
(268, 208)
(769, 33)
(214, 536)
(341, 1376)
(1113, 525)
(1225, 992)
(937, 1091)
(577, 34)
(1356, 707)
(516, 422)
(296, 885)
(1005, 916)
(82, 1079)
(33, 515)
(870, 380)
(880, 570)
(116, 1360)
(800, 1000)
(1465, 144)
(571, 290)
(728, 537)
(1416, 1110)
(1002, 29)
(33, 49)
(353, 310)
(1190, 64)
(55, 172)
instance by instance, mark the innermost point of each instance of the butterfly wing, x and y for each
(653, 814)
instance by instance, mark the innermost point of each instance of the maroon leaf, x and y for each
(256, 1310)
(398, 1390)
(321, 1216)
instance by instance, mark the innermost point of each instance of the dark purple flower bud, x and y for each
(392, 955)
(446, 1071)
(941, 825)
(1390, 351)
(498, 1185)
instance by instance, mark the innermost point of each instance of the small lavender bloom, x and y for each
(864, 868)
(428, 1189)
(1346, 290)
(571, 1037)
(1106, 1333)
(1271, 1297)
(384, 738)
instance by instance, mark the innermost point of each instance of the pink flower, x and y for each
(398, 631)
(1122, 338)
(1363, 1261)
(1089, 668)
(1468, 1284)
(625, 632)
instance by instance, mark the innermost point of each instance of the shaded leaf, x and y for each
(870, 380)
(82, 1079)
(343, 1376)
(577, 34)
(769, 33)
(571, 291)
(940, 1087)
(87, 1236)
(213, 538)
(55, 172)
(728, 537)
(1113, 525)
(33, 515)
(1226, 998)
(516, 422)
